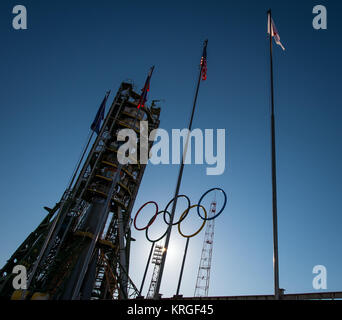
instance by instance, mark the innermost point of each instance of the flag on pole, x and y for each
(204, 62)
(275, 33)
(95, 126)
(143, 97)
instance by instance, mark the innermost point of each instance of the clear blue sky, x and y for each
(55, 74)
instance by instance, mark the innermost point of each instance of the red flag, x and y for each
(204, 61)
(143, 97)
(271, 28)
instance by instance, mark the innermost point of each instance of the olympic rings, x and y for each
(146, 232)
(224, 204)
(201, 227)
(182, 218)
(151, 221)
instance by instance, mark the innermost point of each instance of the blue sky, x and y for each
(55, 74)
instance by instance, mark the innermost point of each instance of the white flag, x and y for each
(275, 33)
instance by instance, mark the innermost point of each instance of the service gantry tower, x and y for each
(81, 249)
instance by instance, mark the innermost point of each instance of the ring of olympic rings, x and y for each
(200, 228)
(182, 217)
(146, 231)
(151, 221)
(217, 214)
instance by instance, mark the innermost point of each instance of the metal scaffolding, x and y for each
(81, 249)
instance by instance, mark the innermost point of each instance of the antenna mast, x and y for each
(203, 276)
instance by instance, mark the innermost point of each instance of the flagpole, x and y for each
(274, 173)
(180, 175)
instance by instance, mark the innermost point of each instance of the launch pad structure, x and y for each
(81, 249)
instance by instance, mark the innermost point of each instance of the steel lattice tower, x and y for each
(156, 260)
(203, 276)
(81, 249)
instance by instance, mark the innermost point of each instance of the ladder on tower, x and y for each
(203, 276)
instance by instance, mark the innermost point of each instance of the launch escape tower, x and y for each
(203, 276)
(81, 249)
